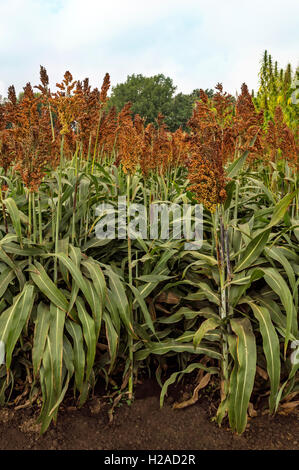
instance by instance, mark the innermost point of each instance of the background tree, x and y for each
(149, 95)
(153, 95)
(181, 109)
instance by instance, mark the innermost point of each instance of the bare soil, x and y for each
(143, 426)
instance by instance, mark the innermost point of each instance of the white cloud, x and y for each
(196, 43)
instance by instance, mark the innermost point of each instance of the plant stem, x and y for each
(221, 251)
(34, 218)
(29, 222)
(96, 142)
(29, 216)
(58, 210)
(75, 196)
(40, 229)
(131, 356)
(4, 213)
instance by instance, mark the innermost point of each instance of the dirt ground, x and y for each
(143, 426)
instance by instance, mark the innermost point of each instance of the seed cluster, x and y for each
(221, 128)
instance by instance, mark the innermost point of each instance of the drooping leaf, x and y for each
(207, 325)
(42, 324)
(47, 286)
(246, 357)
(88, 326)
(271, 349)
(252, 251)
(188, 370)
(13, 320)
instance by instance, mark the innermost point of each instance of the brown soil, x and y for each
(143, 425)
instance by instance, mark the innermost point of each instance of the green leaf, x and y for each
(171, 345)
(188, 314)
(278, 284)
(56, 340)
(144, 309)
(264, 189)
(79, 354)
(42, 324)
(204, 292)
(232, 343)
(280, 209)
(246, 357)
(47, 386)
(13, 320)
(112, 339)
(99, 283)
(253, 250)
(271, 350)
(121, 301)
(89, 334)
(207, 325)
(68, 356)
(8, 238)
(237, 165)
(275, 312)
(47, 286)
(112, 309)
(76, 275)
(276, 254)
(154, 278)
(188, 370)
(15, 217)
(5, 279)
(51, 372)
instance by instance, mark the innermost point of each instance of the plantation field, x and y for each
(94, 298)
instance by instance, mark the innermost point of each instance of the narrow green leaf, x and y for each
(112, 339)
(232, 342)
(237, 165)
(144, 309)
(188, 370)
(120, 297)
(15, 217)
(13, 320)
(79, 354)
(271, 350)
(280, 209)
(277, 255)
(47, 286)
(207, 325)
(42, 324)
(5, 279)
(76, 275)
(280, 287)
(99, 283)
(88, 326)
(171, 345)
(56, 340)
(253, 250)
(246, 356)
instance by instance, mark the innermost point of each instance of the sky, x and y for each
(197, 43)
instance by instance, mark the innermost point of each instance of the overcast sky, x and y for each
(195, 42)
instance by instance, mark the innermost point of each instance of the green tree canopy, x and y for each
(153, 95)
(149, 95)
(181, 109)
